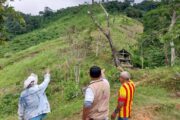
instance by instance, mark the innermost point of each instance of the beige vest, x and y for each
(100, 107)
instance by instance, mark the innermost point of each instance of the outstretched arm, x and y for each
(46, 81)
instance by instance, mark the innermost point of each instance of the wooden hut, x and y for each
(124, 58)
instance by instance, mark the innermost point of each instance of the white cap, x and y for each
(125, 75)
(32, 78)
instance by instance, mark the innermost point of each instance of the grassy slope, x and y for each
(154, 95)
(62, 54)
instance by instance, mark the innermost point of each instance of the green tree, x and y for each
(133, 12)
(6, 11)
(161, 29)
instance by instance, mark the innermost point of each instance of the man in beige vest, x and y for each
(96, 103)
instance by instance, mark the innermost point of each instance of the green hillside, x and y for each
(72, 42)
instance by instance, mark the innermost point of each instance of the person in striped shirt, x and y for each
(125, 97)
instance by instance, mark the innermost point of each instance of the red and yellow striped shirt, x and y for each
(126, 94)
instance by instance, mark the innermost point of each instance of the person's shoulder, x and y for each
(31, 90)
(123, 86)
(90, 85)
(35, 87)
(131, 82)
(23, 93)
(88, 89)
(105, 80)
(95, 84)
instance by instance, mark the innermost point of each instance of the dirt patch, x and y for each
(174, 95)
(142, 116)
(178, 94)
(144, 113)
(178, 106)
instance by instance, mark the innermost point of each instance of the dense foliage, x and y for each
(33, 22)
(72, 40)
(136, 10)
(6, 11)
(156, 17)
(14, 27)
(154, 45)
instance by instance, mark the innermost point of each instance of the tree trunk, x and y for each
(166, 54)
(106, 32)
(113, 50)
(173, 21)
(173, 56)
(142, 56)
(77, 73)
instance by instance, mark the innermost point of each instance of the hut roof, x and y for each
(124, 51)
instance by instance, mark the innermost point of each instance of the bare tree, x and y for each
(173, 22)
(105, 32)
(165, 47)
(77, 73)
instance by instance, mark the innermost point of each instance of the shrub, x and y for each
(132, 12)
(8, 104)
(71, 90)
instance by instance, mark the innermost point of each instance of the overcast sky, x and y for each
(34, 6)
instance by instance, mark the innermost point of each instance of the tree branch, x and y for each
(173, 21)
(97, 23)
(106, 33)
(107, 15)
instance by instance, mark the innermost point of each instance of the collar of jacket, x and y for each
(95, 81)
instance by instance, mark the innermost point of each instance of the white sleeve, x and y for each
(45, 83)
(89, 95)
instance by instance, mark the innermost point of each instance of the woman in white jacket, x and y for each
(33, 103)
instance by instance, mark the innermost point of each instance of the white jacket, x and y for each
(33, 101)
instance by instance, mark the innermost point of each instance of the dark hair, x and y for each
(95, 72)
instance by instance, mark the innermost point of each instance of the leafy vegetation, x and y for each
(64, 44)
(6, 11)
(68, 40)
(14, 27)
(154, 45)
(135, 11)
